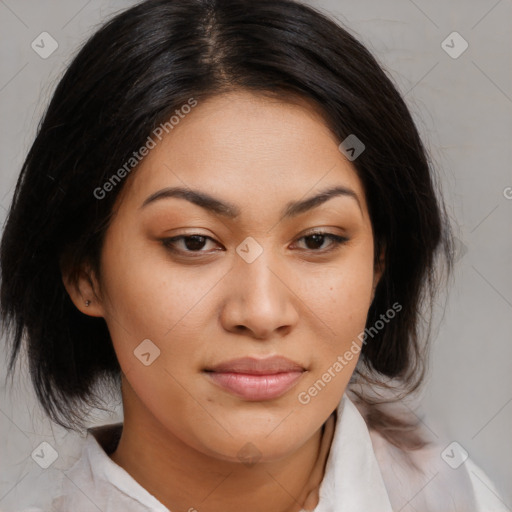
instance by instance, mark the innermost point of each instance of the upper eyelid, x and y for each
(335, 238)
(308, 233)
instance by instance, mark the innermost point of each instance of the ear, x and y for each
(378, 270)
(84, 291)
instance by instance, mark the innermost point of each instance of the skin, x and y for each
(302, 300)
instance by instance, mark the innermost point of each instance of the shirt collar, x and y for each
(352, 479)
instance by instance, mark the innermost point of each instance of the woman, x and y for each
(229, 214)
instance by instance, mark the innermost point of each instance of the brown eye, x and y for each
(315, 241)
(187, 243)
(194, 242)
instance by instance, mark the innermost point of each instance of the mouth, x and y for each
(256, 379)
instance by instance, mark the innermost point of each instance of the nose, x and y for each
(260, 301)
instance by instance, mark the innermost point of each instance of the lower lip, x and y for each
(256, 387)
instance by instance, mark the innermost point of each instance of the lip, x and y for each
(256, 379)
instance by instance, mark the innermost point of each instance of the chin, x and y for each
(249, 450)
(247, 440)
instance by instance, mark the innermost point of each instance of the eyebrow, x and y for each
(231, 211)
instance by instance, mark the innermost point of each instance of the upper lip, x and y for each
(250, 365)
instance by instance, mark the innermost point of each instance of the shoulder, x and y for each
(438, 477)
(88, 481)
(96, 482)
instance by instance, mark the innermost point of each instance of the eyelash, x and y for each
(336, 240)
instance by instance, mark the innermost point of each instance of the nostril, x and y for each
(284, 329)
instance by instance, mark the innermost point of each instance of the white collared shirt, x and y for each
(364, 473)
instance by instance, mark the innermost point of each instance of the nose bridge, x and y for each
(258, 298)
(255, 271)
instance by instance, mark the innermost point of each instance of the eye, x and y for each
(196, 243)
(315, 241)
(188, 243)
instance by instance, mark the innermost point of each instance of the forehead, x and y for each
(250, 149)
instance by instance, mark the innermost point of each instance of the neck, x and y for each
(183, 478)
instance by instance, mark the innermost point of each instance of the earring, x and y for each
(87, 303)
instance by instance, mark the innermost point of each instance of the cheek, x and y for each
(146, 295)
(336, 354)
(340, 300)
(340, 296)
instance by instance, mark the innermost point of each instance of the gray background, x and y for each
(463, 109)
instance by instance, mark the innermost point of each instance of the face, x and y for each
(221, 287)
